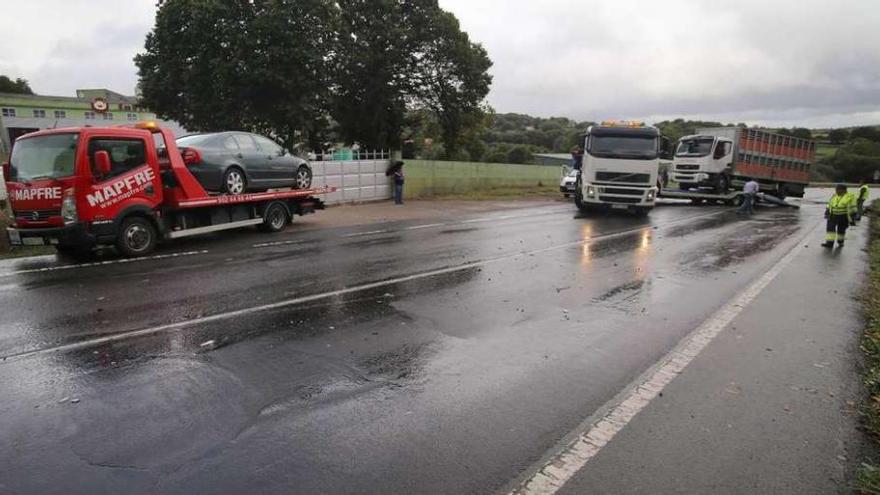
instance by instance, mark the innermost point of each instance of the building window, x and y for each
(108, 116)
(7, 112)
(132, 117)
(39, 113)
(60, 114)
(90, 115)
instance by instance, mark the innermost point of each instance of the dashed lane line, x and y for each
(589, 440)
(104, 263)
(325, 295)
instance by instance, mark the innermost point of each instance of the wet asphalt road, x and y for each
(424, 357)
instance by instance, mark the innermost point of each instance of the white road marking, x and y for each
(589, 440)
(276, 243)
(371, 232)
(426, 226)
(102, 263)
(325, 295)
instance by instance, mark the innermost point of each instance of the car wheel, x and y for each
(137, 237)
(303, 177)
(234, 181)
(274, 218)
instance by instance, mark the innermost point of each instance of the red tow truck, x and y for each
(128, 186)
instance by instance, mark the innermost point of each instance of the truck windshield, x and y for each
(695, 147)
(638, 147)
(43, 157)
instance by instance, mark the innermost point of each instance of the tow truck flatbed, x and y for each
(229, 199)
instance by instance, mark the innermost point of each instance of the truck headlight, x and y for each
(68, 207)
(591, 191)
(651, 194)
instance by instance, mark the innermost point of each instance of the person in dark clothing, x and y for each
(395, 171)
(577, 158)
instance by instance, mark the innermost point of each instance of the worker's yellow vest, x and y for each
(842, 205)
(863, 193)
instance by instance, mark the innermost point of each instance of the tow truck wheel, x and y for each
(234, 181)
(303, 177)
(274, 218)
(137, 237)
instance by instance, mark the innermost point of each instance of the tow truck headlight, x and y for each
(651, 194)
(591, 191)
(68, 207)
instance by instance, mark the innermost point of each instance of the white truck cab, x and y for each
(620, 167)
(704, 161)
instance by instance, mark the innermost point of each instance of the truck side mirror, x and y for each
(102, 163)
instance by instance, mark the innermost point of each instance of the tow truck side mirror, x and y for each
(102, 163)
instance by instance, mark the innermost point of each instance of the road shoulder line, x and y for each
(589, 438)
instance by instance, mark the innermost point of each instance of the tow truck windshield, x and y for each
(43, 157)
(695, 147)
(633, 147)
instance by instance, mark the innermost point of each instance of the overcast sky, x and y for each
(776, 62)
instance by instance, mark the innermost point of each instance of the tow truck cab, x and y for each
(73, 187)
(76, 188)
(620, 167)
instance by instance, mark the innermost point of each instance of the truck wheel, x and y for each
(579, 199)
(274, 218)
(723, 184)
(137, 237)
(303, 177)
(234, 181)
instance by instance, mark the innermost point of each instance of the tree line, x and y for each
(314, 71)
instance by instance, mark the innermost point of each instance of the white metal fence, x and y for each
(354, 180)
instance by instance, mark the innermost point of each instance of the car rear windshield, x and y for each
(196, 140)
(43, 157)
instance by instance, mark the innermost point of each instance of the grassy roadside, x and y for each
(869, 475)
(530, 192)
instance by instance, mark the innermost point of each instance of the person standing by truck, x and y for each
(577, 158)
(839, 215)
(750, 190)
(862, 198)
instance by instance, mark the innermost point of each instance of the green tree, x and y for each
(18, 86)
(260, 66)
(838, 136)
(394, 55)
(519, 154)
(798, 132)
(865, 132)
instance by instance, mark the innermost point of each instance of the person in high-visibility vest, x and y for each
(861, 199)
(840, 211)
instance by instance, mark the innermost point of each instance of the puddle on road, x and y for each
(376, 241)
(633, 287)
(737, 247)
